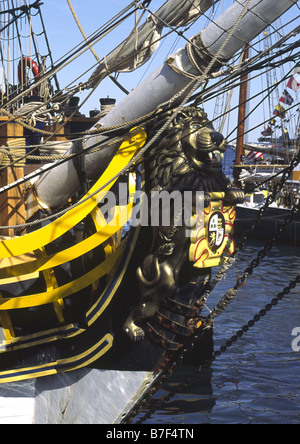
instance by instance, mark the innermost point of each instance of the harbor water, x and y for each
(257, 379)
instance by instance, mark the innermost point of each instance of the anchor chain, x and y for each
(246, 327)
(269, 244)
(176, 359)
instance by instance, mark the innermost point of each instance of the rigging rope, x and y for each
(191, 87)
(190, 345)
(25, 8)
(231, 293)
(196, 83)
(95, 38)
(201, 79)
(136, 121)
(91, 47)
(254, 68)
(262, 312)
(219, 308)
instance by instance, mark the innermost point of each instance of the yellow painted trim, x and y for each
(100, 224)
(97, 217)
(15, 341)
(10, 279)
(97, 356)
(63, 291)
(45, 262)
(39, 238)
(87, 352)
(121, 275)
(47, 369)
(116, 285)
(11, 377)
(6, 324)
(51, 284)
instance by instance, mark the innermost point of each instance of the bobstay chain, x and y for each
(178, 357)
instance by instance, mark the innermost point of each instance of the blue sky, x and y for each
(63, 35)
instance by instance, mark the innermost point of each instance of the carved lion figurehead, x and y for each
(189, 151)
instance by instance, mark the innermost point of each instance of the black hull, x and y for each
(99, 344)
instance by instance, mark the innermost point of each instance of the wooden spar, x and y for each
(241, 120)
(12, 209)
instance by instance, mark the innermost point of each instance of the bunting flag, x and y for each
(279, 111)
(286, 98)
(294, 82)
(254, 155)
(267, 132)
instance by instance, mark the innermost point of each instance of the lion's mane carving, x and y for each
(187, 157)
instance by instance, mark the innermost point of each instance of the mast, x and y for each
(238, 25)
(241, 120)
(20, 43)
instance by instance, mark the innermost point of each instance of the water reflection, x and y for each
(257, 380)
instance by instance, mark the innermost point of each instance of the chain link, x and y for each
(176, 359)
(269, 244)
(246, 327)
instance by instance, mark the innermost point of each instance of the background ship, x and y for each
(263, 168)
